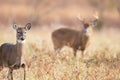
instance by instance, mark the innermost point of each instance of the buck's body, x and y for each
(73, 38)
(68, 37)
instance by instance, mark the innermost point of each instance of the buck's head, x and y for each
(21, 32)
(92, 22)
(88, 25)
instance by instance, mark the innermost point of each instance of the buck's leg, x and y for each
(83, 51)
(24, 68)
(1, 68)
(57, 49)
(75, 52)
(57, 46)
(10, 74)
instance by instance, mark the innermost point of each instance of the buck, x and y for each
(11, 54)
(77, 40)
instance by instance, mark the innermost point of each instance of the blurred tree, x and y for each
(35, 14)
(118, 6)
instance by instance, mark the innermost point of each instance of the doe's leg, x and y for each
(10, 74)
(24, 68)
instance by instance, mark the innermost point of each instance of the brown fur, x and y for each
(73, 38)
(11, 54)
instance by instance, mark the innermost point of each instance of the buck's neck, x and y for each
(87, 31)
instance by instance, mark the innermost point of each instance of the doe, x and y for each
(11, 54)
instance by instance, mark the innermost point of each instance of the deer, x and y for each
(76, 39)
(11, 54)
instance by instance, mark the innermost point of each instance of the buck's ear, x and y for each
(15, 26)
(95, 22)
(96, 16)
(28, 26)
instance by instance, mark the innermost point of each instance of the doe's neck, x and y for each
(19, 47)
(19, 44)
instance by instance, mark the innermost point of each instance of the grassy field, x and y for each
(102, 60)
(100, 63)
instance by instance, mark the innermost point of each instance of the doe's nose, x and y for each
(22, 39)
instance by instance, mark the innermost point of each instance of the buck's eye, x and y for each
(86, 25)
(18, 32)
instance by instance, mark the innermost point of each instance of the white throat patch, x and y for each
(20, 41)
(86, 30)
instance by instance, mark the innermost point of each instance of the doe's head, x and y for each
(21, 31)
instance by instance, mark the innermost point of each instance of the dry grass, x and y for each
(101, 63)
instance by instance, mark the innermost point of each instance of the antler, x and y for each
(80, 18)
(96, 15)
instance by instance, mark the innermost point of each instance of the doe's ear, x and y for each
(28, 26)
(15, 26)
